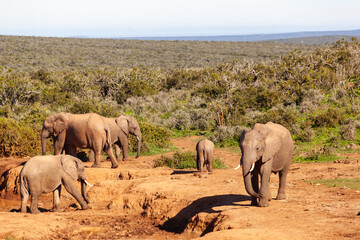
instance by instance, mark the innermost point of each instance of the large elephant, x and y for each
(70, 131)
(266, 148)
(119, 130)
(205, 155)
(44, 174)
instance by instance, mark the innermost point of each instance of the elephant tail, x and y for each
(206, 157)
(107, 144)
(24, 186)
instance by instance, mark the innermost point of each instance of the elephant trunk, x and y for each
(83, 191)
(247, 167)
(138, 136)
(44, 135)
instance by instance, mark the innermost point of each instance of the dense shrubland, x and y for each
(315, 94)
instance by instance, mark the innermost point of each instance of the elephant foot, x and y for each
(115, 166)
(281, 196)
(263, 203)
(96, 165)
(35, 211)
(125, 159)
(85, 207)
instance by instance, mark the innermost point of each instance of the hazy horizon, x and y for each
(160, 18)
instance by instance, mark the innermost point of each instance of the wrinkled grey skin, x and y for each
(119, 130)
(70, 131)
(205, 155)
(270, 147)
(44, 174)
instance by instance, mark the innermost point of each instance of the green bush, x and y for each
(224, 136)
(183, 160)
(287, 117)
(87, 106)
(179, 160)
(333, 117)
(152, 136)
(18, 140)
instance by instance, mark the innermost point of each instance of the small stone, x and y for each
(347, 162)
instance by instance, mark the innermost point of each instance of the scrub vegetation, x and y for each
(213, 88)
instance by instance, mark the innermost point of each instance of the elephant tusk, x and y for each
(138, 138)
(88, 183)
(252, 167)
(237, 167)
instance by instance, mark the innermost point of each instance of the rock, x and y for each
(10, 183)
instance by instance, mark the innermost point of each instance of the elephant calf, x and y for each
(44, 174)
(265, 149)
(205, 155)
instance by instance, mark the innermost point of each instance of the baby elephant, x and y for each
(205, 155)
(44, 174)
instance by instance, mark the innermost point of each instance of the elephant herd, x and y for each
(43, 174)
(265, 149)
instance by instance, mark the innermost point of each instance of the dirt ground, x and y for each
(137, 201)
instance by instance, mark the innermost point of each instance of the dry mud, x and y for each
(136, 201)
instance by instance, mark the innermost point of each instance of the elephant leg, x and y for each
(209, 161)
(110, 153)
(56, 199)
(117, 151)
(282, 184)
(264, 189)
(201, 162)
(59, 143)
(91, 156)
(98, 158)
(71, 188)
(125, 145)
(255, 185)
(34, 203)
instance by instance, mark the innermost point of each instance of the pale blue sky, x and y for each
(111, 18)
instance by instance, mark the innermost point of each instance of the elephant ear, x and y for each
(272, 145)
(70, 166)
(123, 123)
(242, 136)
(60, 124)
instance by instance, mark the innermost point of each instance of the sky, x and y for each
(144, 18)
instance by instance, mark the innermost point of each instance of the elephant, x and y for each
(119, 130)
(70, 131)
(44, 174)
(265, 149)
(205, 155)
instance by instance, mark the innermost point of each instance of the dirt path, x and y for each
(137, 201)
